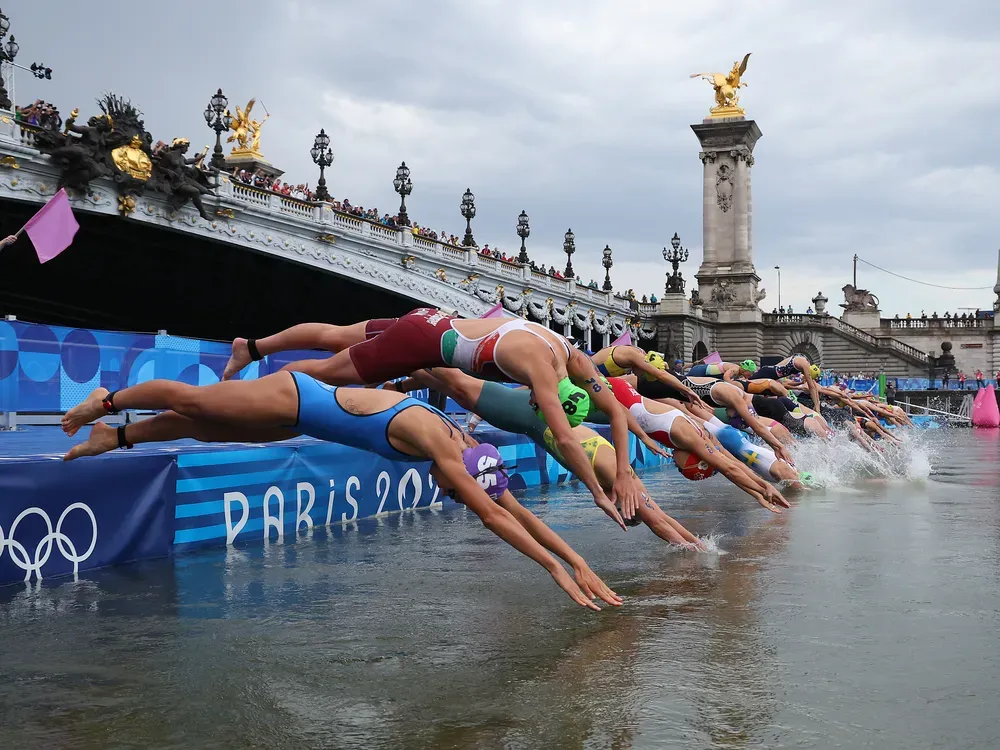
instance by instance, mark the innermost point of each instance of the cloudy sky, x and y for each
(878, 118)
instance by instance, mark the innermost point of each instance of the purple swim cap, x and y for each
(486, 466)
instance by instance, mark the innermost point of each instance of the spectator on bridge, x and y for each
(934, 315)
(781, 310)
(946, 380)
(809, 310)
(979, 379)
(909, 317)
(774, 311)
(789, 309)
(652, 298)
(961, 380)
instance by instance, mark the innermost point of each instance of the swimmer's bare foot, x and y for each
(102, 439)
(88, 410)
(239, 359)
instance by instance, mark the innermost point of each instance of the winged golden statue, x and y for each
(726, 86)
(246, 131)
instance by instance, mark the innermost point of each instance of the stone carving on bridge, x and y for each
(724, 187)
(246, 131)
(759, 295)
(723, 294)
(115, 145)
(858, 300)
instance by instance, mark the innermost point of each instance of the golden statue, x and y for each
(246, 131)
(726, 87)
(132, 160)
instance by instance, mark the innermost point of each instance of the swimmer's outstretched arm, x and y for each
(665, 527)
(451, 473)
(586, 578)
(740, 405)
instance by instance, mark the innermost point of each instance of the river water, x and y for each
(866, 616)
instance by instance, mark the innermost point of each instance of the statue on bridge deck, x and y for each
(856, 300)
(726, 87)
(179, 178)
(246, 131)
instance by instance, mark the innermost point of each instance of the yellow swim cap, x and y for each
(815, 372)
(656, 360)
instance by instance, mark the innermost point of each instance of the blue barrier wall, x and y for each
(58, 518)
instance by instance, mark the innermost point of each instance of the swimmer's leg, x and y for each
(303, 336)
(167, 427)
(271, 401)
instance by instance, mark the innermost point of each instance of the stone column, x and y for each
(727, 278)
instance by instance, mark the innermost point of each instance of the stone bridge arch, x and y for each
(807, 343)
(699, 352)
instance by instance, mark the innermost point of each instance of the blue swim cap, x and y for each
(731, 439)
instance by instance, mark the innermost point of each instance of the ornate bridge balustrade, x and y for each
(427, 271)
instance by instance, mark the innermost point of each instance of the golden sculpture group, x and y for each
(726, 87)
(246, 131)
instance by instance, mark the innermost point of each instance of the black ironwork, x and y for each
(675, 256)
(8, 51)
(569, 247)
(468, 212)
(523, 230)
(217, 117)
(322, 156)
(607, 263)
(404, 186)
(39, 71)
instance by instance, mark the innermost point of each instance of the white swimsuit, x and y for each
(479, 355)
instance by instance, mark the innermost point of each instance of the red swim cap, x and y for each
(691, 466)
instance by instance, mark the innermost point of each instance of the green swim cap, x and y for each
(749, 365)
(575, 403)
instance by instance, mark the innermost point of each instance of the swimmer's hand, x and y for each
(602, 502)
(772, 496)
(627, 491)
(654, 446)
(784, 455)
(693, 397)
(568, 585)
(593, 586)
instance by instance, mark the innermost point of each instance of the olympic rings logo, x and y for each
(43, 550)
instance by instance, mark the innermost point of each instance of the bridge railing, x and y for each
(828, 321)
(934, 323)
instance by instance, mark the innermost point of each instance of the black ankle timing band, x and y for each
(109, 403)
(252, 348)
(122, 440)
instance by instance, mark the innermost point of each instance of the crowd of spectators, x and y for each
(39, 113)
(947, 316)
(262, 181)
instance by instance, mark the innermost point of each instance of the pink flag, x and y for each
(713, 359)
(624, 340)
(53, 228)
(494, 312)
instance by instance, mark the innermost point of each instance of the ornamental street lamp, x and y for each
(404, 186)
(468, 212)
(569, 247)
(607, 263)
(8, 52)
(523, 230)
(217, 117)
(322, 156)
(675, 256)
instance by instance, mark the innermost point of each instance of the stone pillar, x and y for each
(727, 278)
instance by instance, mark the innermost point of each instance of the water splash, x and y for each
(709, 545)
(840, 461)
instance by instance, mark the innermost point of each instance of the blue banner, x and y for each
(58, 518)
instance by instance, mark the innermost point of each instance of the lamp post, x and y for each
(607, 263)
(404, 186)
(523, 230)
(322, 156)
(569, 247)
(8, 52)
(675, 256)
(469, 213)
(217, 117)
(778, 269)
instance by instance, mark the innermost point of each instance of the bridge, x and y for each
(395, 265)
